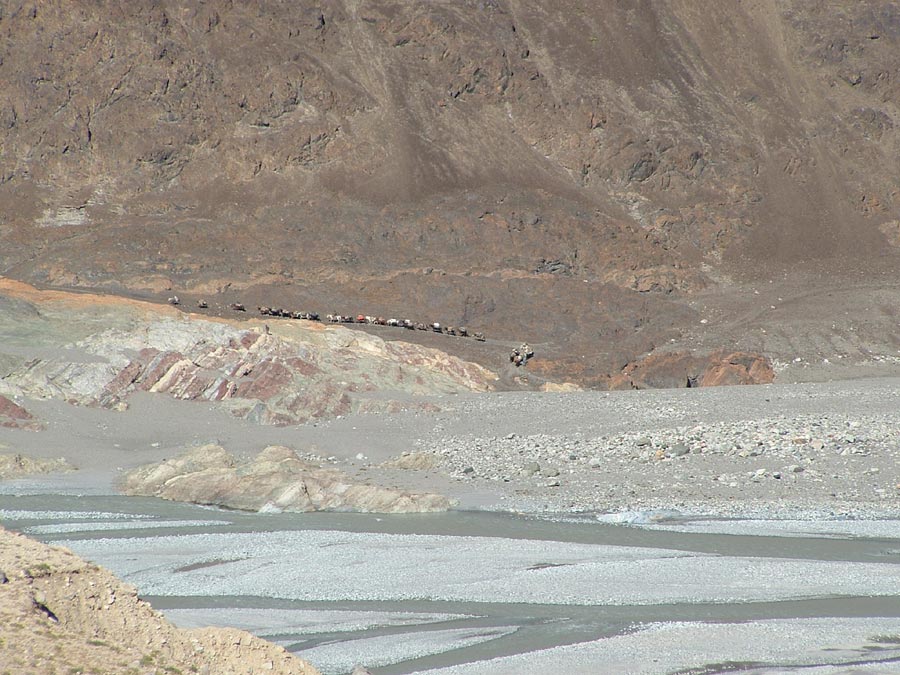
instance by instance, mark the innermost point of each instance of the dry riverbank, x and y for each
(817, 450)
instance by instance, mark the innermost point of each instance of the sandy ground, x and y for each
(825, 448)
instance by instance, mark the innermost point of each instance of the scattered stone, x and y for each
(531, 468)
(624, 466)
(678, 450)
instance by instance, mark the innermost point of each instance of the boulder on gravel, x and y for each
(276, 480)
(15, 465)
(413, 461)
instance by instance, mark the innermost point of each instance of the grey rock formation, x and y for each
(276, 480)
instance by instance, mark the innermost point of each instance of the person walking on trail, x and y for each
(520, 355)
(525, 353)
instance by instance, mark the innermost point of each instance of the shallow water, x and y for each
(478, 592)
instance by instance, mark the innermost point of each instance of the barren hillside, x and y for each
(589, 176)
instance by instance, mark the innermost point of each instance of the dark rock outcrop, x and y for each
(682, 369)
(14, 416)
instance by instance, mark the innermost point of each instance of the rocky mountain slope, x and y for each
(584, 175)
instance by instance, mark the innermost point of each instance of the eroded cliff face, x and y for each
(530, 168)
(99, 350)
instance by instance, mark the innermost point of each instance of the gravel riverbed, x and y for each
(810, 451)
(822, 450)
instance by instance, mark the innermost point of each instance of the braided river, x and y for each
(470, 592)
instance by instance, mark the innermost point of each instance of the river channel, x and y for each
(481, 592)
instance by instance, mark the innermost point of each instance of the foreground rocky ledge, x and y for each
(276, 480)
(62, 614)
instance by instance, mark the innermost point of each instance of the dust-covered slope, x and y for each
(532, 168)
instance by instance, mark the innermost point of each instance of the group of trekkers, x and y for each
(520, 355)
(409, 324)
